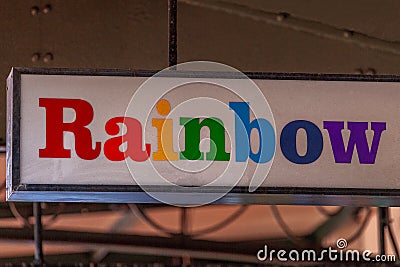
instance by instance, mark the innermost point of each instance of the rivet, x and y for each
(47, 9)
(281, 16)
(35, 57)
(48, 57)
(34, 10)
(347, 33)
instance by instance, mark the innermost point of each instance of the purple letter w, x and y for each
(357, 138)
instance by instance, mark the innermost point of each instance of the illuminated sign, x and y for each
(195, 137)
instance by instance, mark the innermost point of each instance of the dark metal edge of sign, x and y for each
(187, 198)
(13, 136)
(208, 74)
(208, 189)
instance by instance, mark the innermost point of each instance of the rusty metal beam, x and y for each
(178, 242)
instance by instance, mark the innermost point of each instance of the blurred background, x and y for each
(351, 37)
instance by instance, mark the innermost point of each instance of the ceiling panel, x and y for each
(251, 45)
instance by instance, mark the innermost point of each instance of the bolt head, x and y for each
(35, 57)
(347, 34)
(34, 10)
(48, 57)
(281, 16)
(47, 9)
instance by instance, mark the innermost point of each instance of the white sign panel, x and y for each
(201, 137)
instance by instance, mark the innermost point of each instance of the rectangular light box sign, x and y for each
(188, 138)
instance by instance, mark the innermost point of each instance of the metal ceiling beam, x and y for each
(69, 208)
(175, 245)
(84, 259)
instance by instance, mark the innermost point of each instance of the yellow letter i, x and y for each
(164, 133)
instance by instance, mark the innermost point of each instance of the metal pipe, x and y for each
(298, 24)
(342, 218)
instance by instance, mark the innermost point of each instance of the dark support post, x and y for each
(184, 221)
(185, 260)
(37, 233)
(172, 61)
(383, 222)
(172, 33)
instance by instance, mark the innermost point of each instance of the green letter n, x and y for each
(192, 139)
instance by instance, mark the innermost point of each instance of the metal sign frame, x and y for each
(16, 191)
